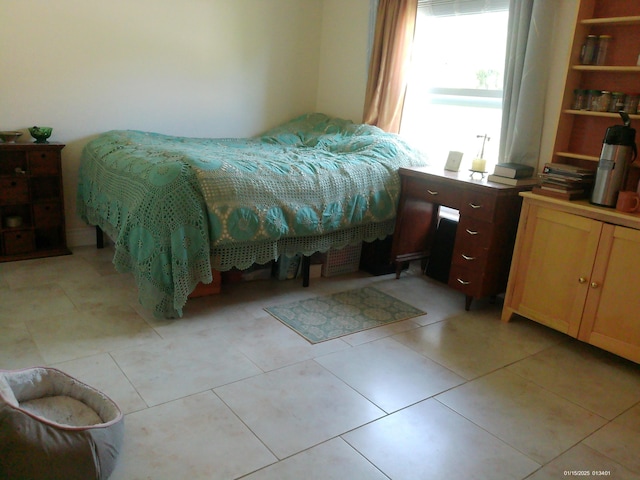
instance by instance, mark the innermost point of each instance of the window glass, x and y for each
(454, 96)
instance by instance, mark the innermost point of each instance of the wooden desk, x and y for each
(486, 230)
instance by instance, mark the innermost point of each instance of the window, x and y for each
(454, 96)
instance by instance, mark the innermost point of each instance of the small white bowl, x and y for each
(13, 221)
(9, 136)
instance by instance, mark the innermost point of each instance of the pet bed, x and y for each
(54, 426)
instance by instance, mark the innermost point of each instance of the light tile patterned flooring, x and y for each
(229, 392)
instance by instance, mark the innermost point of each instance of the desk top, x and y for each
(461, 179)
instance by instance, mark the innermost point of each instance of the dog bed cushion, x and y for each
(54, 426)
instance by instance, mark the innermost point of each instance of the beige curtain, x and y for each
(387, 84)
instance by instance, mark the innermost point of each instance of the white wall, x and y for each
(182, 67)
(190, 67)
(565, 21)
(344, 57)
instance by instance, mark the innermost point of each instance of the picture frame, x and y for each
(453, 161)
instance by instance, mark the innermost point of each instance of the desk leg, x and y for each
(99, 237)
(399, 267)
(467, 302)
(306, 266)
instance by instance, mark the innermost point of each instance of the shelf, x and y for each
(577, 156)
(607, 68)
(589, 113)
(633, 20)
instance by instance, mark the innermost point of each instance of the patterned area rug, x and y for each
(324, 318)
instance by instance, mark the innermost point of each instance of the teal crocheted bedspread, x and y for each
(177, 207)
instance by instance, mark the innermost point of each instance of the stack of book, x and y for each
(512, 174)
(565, 181)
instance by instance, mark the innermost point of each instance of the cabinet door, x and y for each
(554, 270)
(611, 313)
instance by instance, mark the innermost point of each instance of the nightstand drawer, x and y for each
(44, 162)
(18, 241)
(46, 215)
(14, 191)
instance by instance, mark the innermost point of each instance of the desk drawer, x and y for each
(480, 206)
(471, 256)
(466, 280)
(473, 233)
(432, 191)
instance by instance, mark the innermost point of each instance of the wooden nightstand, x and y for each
(485, 234)
(31, 201)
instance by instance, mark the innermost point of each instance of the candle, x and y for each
(478, 164)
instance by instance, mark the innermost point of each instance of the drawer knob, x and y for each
(582, 280)
(472, 232)
(467, 257)
(595, 284)
(473, 205)
(432, 192)
(463, 282)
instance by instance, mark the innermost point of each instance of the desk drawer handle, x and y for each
(467, 257)
(473, 205)
(432, 192)
(472, 232)
(463, 282)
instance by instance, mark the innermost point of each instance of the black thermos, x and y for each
(618, 151)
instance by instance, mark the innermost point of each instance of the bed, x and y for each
(178, 207)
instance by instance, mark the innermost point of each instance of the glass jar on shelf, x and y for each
(602, 50)
(605, 100)
(589, 50)
(593, 100)
(631, 103)
(617, 102)
(579, 99)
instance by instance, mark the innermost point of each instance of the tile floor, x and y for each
(229, 392)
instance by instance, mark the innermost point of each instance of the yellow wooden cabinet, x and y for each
(576, 268)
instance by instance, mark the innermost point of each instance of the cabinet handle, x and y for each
(463, 282)
(467, 257)
(582, 280)
(473, 205)
(432, 192)
(472, 232)
(594, 285)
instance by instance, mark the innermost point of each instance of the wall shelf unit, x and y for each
(580, 132)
